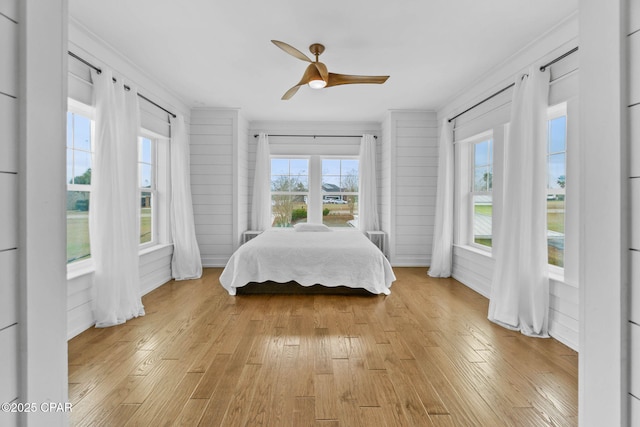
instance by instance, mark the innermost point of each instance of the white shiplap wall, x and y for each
(242, 180)
(218, 181)
(633, 42)
(474, 268)
(408, 173)
(386, 172)
(8, 206)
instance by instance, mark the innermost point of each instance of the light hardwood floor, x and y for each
(425, 355)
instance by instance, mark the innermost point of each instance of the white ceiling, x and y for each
(219, 54)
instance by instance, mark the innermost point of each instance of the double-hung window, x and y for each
(79, 162)
(481, 192)
(339, 192)
(289, 191)
(556, 183)
(314, 187)
(80, 147)
(476, 167)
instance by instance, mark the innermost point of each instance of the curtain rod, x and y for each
(319, 136)
(542, 68)
(98, 70)
(482, 102)
(564, 55)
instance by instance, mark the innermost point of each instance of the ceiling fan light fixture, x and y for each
(317, 84)
(317, 76)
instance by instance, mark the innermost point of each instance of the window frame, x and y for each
(145, 134)
(554, 112)
(464, 182)
(340, 193)
(160, 178)
(466, 191)
(305, 194)
(87, 111)
(314, 195)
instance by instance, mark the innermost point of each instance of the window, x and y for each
(556, 182)
(481, 192)
(314, 187)
(79, 161)
(289, 191)
(80, 130)
(339, 192)
(147, 188)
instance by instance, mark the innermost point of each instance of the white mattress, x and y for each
(337, 258)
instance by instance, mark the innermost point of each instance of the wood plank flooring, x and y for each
(423, 356)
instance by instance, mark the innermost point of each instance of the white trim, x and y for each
(478, 137)
(81, 108)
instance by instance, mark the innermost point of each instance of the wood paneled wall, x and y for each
(633, 43)
(409, 170)
(217, 176)
(8, 205)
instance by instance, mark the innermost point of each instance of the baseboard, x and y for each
(481, 290)
(215, 261)
(80, 318)
(565, 335)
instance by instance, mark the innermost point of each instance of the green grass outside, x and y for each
(485, 242)
(145, 225)
(483, 209)
(77, 236)
(555, 222)
(78, 247)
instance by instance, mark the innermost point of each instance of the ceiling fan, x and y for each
(317, 76)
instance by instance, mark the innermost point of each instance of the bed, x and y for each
(335, 258)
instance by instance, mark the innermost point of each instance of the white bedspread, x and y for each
(339, 258)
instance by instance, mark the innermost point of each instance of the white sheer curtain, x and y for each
(520, 286)
(368, 186)
(441, 254)
(261, 201)
(186, 262)
(114, 209)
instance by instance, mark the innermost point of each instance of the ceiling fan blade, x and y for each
(311, 73)
(289, 94)
(291, 50)
(345, 79)
(322, 69)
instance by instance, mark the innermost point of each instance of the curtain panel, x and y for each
(261, 200)
(442, 249)
(114, 202)
(186, 262)
(368, 219)
(520, 284)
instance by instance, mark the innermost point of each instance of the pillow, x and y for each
(305, 226)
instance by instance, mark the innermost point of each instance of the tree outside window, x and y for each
(289, 191)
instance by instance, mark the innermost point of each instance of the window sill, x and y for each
(150, 249)
(555, 273)
(475, 250)
(85, 268)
